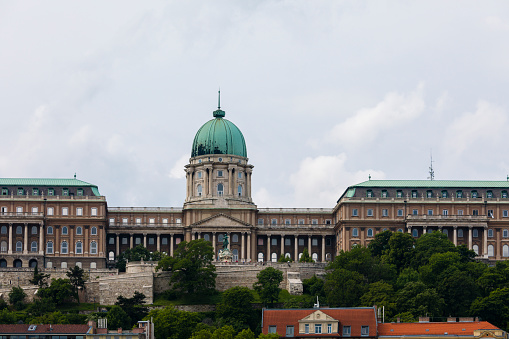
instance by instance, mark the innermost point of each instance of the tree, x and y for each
(58, 292)
(429, 244)
(173, 324)
(118, 318)
(225, 332)
(245, 334)
(267, 285)
(17, 297)
(39, 279)
(235, 308)
(344, 288)
(136, 254)
(400, 251)
(191, 267)
(77, 279)
(305, 256)
(380, 243)
(269, 336)
(284, 258)
(493, 308)
(381, 294)
(133, 306)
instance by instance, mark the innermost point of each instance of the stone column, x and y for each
(230, 181)
(323, 248)
(192, 235)
(86, 245)
(171, 244)
(248, 246)
(485, 242)
(309, 245)
(10, 239)
(205, 182)
(282, 245)
(248, 182)
(469, 237)
(199, 235)
(242, 257)
(214, 244)
(25, 240)
(72, 247)
(409, 229)
(158, 242)
(424, 228)
(296, 247)
(131, 240)
(455, 235)
(211, 175)
(41, 239)
(268, 248)
(145, 240)
(117, 245)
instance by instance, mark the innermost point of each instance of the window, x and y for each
(111, 240)
(35, 191)
(415, 212)
(34, 229)
(151, 241)
(79, 192)
(370, 212)
(314, 221)
(49, 264)
(4, 230)
(64, 248)
(460, 233)
(430, 212)
(491, 251)
(3, 210)
(475, 212)
(5, 191)
(152, 221)
(165, 221)
(138, 221)
(124, 241)
(445, 231)
(475, 248)
(49, 230)
(490, 213)
(346, 331)
(206, 237)
(328, 222)
(93, 265)
(385, 212)
(93, 211)
(239, 174)
(220, 237)
(430, 230)
(79, 211)
(273, 257)
(235, 238)
(318, 328)
(260, 241)
(199, 190)
(444, 194)
(273, 241)
(288, 242)
(93, 231)
(51, 191)
(125, 221)
(64, 230)
(272, 329)
(459, 194)
(306, 328)
(384, 194)
(33, 247)
(355, 232)
(3, 246)
(19, 210)
(178, 221)
(415, 233)
(239, 190)
(364, 330)
(20, 191)
(199, 175)
(489, 194)
(314, 242)
(355, 212)
(220, 190)
(289, 331)
(301, 242)
(65, 191)
(369, 193)
(260, 257)
(65, 210)
(445, 212)
(80, 265)
(399, 194)
(273, 221)
(164, 240)
(490, 233)
(429, 194)
(505, 213)
(400, 213)
(112, 221)
(93, 247)
(288, 221)
(49, 247)
(79, 230)
(301, 221)
(505, 233)
(260, 221)
(474, 194)
(79, 247)
(19, 230)
(329, 328)
(504, 194)
(220, 173)
(460, 212)
(35, 210)
(505, 251)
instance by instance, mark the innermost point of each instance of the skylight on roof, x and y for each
(32, 327)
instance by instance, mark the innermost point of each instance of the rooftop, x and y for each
(434, 183)
(433, 328)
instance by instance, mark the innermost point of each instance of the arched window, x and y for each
(273, 257)
(3, 246)
(49, 264)
(460, 233)
(220, 190)
(93, 264)
(369, 194)
(491, 251)
(235, 238)
(199, 190)
(328, 257)
(239, 190)
(17, 263)
(474, 194)
(415, 233)
(79, 247)
(220, 238)
(34, 229)
(4, 230)
(64, 248)
(49, 247)
(355, 232)
(260, 257)
(19, 246)
(314, 256)
(79, 230)
(444, 194)
(79, 264)
(111, 255)
(49, 230)
(489, 194)
(19, 230)
(64, 230)
(288, 256)
(93, 247)
(206, 237)
(235, 254)
(446, 232)
(370, 232)
(505, 251)
(93, 230)
(63, 264)
(32, 263)
(33, 247)
(3, 263)
(400, 230)
(476, 249)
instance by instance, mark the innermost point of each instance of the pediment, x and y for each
(318, 316)
(221, 220)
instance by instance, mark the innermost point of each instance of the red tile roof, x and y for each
(44, 329)
(432, 328)
(354, 317)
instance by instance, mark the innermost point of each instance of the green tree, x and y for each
(40, 306)
(314, 287)
(173, 324)
(269, 336)
(380, 243)
(225, 332)
(17, 297)
(191, 267)
(267, 285)
(284, 258)
(77, 278)
(305, 256)
(133, 306)
(245, 334)
(417, 299)
(493, 308)
(202, 334)
(39, 279)
(400, 251)
(235, 308)
(429, 244)
(118, 318)
(58, 292)
(137, 253)
(344, 288)
(7, 317)
(381, 294)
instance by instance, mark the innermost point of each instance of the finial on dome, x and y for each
(218, 113)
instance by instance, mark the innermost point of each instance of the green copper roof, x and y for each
(219, 136)
(48, 182)
(434, 183)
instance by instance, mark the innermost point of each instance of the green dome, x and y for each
(219, 136)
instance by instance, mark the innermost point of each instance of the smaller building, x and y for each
(23, 331)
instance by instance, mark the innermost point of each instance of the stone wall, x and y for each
(125, 285)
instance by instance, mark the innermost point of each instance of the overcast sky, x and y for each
(325, 92)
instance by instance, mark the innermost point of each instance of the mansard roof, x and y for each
(434, 184)
(46, 182)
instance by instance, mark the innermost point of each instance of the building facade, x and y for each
(59, 223)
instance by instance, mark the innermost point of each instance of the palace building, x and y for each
(59, 223)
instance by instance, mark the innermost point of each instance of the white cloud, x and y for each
(366, 125)
(177, 171)
(496, 23)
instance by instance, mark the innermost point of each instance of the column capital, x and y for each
(409, 227)
(455, 226)
(470, 226)
(440, 227)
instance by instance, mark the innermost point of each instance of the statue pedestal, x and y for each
(225, 255)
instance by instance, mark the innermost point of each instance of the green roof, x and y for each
(219, 136)
(48, 182)
(434, 184)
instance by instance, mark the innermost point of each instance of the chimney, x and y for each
(398, 319)
(424, 319)
(119, 330)
(466, 319)
(451, 319)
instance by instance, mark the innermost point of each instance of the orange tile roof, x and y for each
(432, 328)
(44, 329)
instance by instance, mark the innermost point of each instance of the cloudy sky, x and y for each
(325, 92)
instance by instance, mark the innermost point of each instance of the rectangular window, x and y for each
(475, 212)
(219, 173)
(273, 221)
(19, 210)
(65, 211)
(301, 221)
(179, 221)
(51, 191)
(288, 221)
(364, 330)
(124, 221)
(151, 241)
(318, 328)
(414, 194)
(164, 241)
(400, 213)
(124, 241)
(289, 331)
(5, 191)
(460, 212)
(301, 242)
(272, 329)
(138, 221)
(50, 210)
(112, 221)
(260, 221)
(35, 191)
(314, 221)
(329, 328)
(490, 233)
(152, 221)
(273, 241)
(490, 213)
(369, 212)
(399, 194)
(415, 212)
(314, 242)
(79, 192)
(65, 191)
(355, 212)
(328, 222)
(384, 194)
(505, 213)
(346, 331)
(385, 212)
(35, 210)
(430, 212)
(288, 242)
(20, 191)
(165, 221)
(445, 212)
(260, 241)
(93, 211)
(306, 328)
(79, 211)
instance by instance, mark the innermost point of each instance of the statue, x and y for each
(225, 254)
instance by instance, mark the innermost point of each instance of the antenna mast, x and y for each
(431, 171)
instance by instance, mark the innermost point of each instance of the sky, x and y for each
(326, 93)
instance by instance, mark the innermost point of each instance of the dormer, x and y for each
(317, 323)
